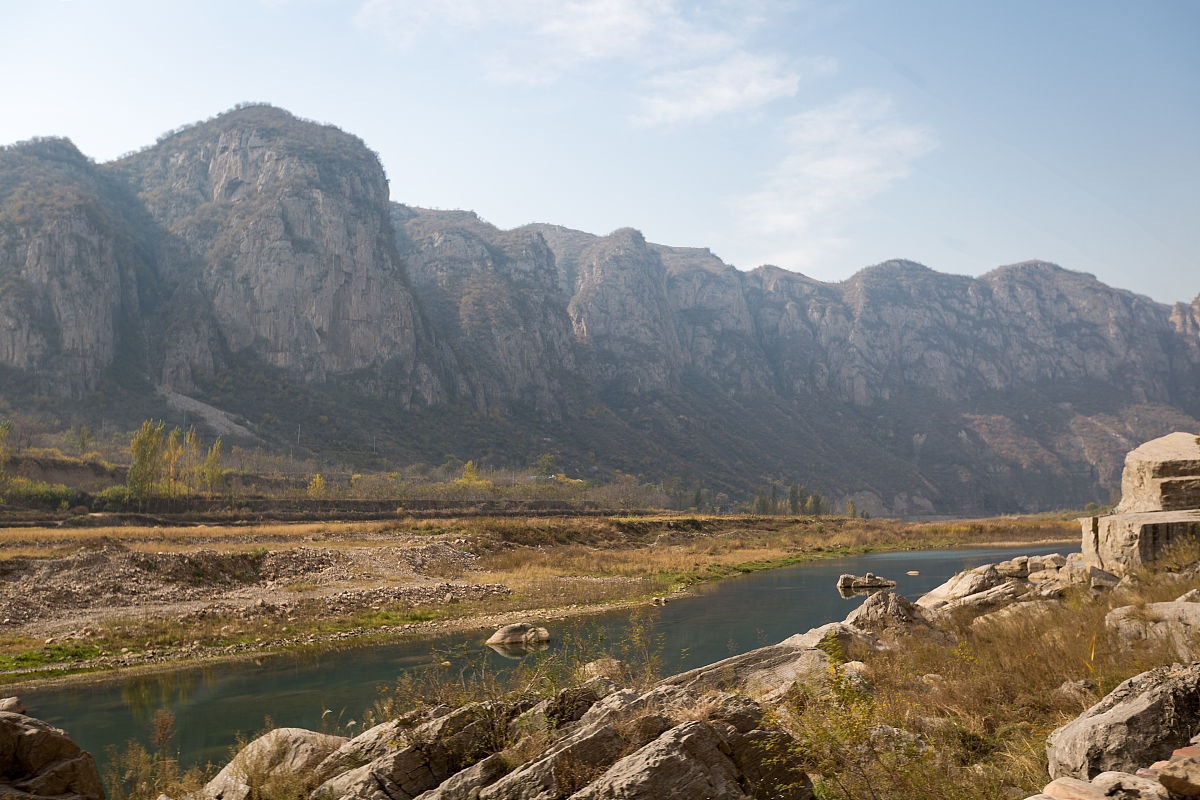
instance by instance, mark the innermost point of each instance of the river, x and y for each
(213, 704)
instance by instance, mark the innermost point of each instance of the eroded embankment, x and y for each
(88, 599)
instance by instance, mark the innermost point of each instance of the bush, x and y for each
(114, 498)
(19, 491)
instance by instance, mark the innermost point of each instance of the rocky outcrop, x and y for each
(70, 276)
(611, 743)
(288, 225)
(1160, 505)
(280, 757)
(1174, 625)
(494, 297)
(40, 761)
(1139, 722)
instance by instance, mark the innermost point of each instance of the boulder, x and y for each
(842, 634)
(689, 760)
(1139, 722)
(1175, 624)
(567, 766)
(279, 757)
(1160, 495)
(364, 748)
(1133, 787)
(12, 704)
(700, 760)
(1018, 567)
(567, 706)
(963, 584)
(40, 760)
(1162, 475)
(465, 785)
(772, 669)
(1181, 775)
(999, 596)
(887, 611)
(402, 773)
(868, 581)
(1073, 789)
(519, 633)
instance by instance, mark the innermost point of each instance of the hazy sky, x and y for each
(819, 136)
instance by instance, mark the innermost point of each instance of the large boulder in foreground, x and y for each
(1141, 721)
(279, 758)
(39, 760)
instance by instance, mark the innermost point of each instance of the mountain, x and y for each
(252, 266)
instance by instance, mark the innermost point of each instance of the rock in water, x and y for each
(519, 633)
(868, 581)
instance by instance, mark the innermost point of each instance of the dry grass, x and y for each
(986, 715)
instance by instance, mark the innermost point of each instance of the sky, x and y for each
(822, 136)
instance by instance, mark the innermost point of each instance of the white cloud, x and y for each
(740, 82)
(537, 41)
(838, 158)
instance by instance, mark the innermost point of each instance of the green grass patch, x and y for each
(50, 654)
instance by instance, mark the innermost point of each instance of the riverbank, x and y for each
(83, 603)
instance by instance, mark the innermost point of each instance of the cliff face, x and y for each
(494, 298)
(258, 247)
(287, 226)
(68, 268)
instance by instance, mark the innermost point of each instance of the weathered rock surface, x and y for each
(1122, 784)
(519, 633)
(868, 581)
(1160, 504)
(1139, 722)
(277, 758)
(1181, 776)
(465, 785)
(765, 670)
(39, 760)
(888, 611)
(1175, 624)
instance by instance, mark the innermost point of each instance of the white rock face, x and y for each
(1162, 475)
(1160, 504)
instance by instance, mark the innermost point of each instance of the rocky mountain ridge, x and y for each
(255, 262)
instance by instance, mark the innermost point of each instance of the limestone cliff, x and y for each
(495, 298)
(69, 269)
(288, 224)
(254, 262)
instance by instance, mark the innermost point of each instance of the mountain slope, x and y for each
(255, 262)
